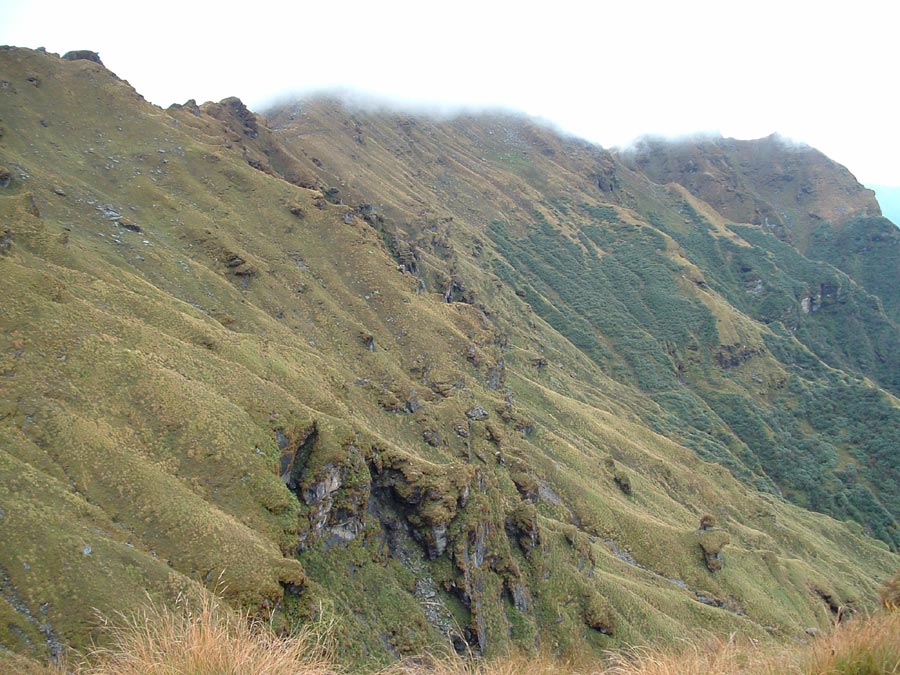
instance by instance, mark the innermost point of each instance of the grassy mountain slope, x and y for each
(596, 250)
(459, 363)
(786, 187)
(867, 249)
(791, 190)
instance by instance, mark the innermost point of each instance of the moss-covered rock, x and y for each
(431, 495)
(711, 542)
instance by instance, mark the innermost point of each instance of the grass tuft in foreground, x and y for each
(212, 640)
(451, 664)
(208, 639)
(864, 648)
(860, 647)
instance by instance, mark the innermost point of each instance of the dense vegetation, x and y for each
(866, 249)
(608, 288)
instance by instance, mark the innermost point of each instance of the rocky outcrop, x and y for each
(477, 414)
(827, 294)
(295, 451)
(406, 254)
(235, 114)
(607, 178)
(527, 485)
(597, 614)
(82, 55)
(522, 527)
(25, 622)
(731, 356)
(334, 493)
(620, 476)
(428, 495)
(712, 540)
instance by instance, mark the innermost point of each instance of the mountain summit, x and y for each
(787, 187)
(462, 382)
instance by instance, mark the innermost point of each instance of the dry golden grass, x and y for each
(208, 639)
(16, 664)
(212, 640)
(859, 647)
(452, 664)
(890, 593)
(719, 657)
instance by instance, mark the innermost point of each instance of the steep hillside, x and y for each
(657, 288)
(465, 381)
(791, 190)
(786, 187)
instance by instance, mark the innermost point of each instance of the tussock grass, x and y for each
(859, 647)
(16, 664)
(147, 380)
(719, 657)
(890, 593)
(452, 664)
(863, 648)
(210, 639)
(207, 639)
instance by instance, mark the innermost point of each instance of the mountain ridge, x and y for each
(470, 363)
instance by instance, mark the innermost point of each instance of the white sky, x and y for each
(817, 72)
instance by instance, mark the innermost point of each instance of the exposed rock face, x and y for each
(607, 177)
(429, 500)
(496, 376)
(473, 557)
(336, 502)
(239, 112)
(526, 484)
(295, 454)
(11, 598)
(341, 514)
(244, 130)
(731, 356)
(521, 597)
(522, 527)
(477, 414)
(326, 485)
(446, 510)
